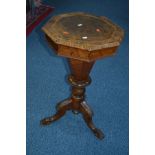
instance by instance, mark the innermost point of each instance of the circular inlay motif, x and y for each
(85, 37)
(79, 25)
(84, 31)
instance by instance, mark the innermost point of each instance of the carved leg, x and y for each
(61, 107)
(87, 115)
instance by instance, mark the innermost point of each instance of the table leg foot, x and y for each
(87, 115)
(98, 133)
(61, 107)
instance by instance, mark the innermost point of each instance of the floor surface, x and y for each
(107, 95)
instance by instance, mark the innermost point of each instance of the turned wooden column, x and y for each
(79, 79)
(81, 38)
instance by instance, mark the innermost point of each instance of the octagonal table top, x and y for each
(83, 31)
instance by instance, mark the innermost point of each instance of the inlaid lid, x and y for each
(83, 31)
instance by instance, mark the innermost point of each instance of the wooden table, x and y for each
(81, 38)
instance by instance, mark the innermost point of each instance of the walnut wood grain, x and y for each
(83, 55)
(63, 29)
(81, 38)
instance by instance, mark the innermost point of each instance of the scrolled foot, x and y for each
(98, 133)
(46, 121)
(87, 115)
(61, 107)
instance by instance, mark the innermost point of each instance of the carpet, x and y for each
(108, 94)
(38, 15)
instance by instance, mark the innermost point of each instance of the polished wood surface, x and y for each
(82, 39)
(83, 31)
(83, 36)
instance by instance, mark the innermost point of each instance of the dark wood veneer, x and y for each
(81, 57)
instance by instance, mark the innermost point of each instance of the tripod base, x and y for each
(84, 109)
